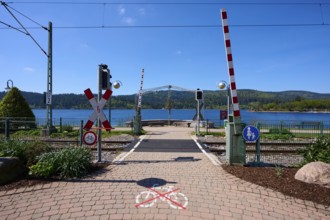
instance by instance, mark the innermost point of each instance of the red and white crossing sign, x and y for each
(98, 109)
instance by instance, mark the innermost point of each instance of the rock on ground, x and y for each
(10, 169)
(315, 172)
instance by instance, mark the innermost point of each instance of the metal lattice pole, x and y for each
(137, 124)
(50, 78)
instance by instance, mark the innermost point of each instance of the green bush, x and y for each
(216, 134)
(317, 151)
(26, 133)
(279, 131)
(27, 152)
(13, 149)
(14, 105)
(42, 169)
(67, 128)
(67, 163)
(35, 149)
(65, 134)
(278, 134)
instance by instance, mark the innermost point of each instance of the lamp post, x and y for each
(224, 85)
(116, 84)
(9, 87)
(235, 147)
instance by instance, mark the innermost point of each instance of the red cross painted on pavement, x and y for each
(98, 109)
(161, 195)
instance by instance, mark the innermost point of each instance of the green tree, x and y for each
(13, 105)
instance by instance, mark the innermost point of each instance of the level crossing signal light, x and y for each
(105, 76)
(199, 95)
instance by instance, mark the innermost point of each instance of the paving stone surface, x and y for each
(189, 188)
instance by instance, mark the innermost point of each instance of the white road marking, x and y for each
(122, 158)
(214, 160)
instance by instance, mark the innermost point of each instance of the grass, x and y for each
(216, 134)
(116, 133)
(65, 134)
(278, 171)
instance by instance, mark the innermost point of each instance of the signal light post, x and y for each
(104, 83)
(198, 97)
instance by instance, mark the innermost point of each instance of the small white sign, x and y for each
(48, 98)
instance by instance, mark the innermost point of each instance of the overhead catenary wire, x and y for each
(168, 3)
(11, 27)
(22, 26)
(30, 19)
(180, 26)
(322, 23)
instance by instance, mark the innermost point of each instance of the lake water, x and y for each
(119, 116)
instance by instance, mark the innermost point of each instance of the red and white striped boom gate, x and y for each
(98, 109)
(233, 91)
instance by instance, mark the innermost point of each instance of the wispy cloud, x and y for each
(84, 45)
(178, 52)
(125, 18)
(29, 69)
(142, 11)
(121, 10)
(128, 20)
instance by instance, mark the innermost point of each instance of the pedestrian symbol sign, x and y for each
(250, 133)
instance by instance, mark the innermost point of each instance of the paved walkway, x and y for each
(200, 190)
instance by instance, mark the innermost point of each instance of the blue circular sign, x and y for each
(250, 133)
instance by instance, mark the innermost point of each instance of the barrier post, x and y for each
(234, 139)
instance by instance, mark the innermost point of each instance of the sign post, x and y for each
(251, 133)
(98, 113)
(223, 115)
(199, 98)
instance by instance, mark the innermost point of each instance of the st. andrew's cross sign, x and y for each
(98, 109)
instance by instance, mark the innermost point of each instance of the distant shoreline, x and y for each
(284, 111)
(287, 111)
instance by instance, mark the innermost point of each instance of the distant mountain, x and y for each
(249, 99)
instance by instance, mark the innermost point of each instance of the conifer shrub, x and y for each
(14, 106)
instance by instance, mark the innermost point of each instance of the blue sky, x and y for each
(270, 57)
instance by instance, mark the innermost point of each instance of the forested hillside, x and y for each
(248, 99)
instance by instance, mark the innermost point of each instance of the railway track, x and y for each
(106, 145)
(265, 147)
